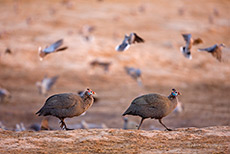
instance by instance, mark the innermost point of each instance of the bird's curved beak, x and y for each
(93, 92)
(179, 93)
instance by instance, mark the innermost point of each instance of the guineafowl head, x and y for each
(90, 92)
(175, 93)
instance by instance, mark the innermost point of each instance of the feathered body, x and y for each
(46, 84)
(128, 40)
(55, 47)
(67, 105)
(135, 73)
(215, 50)
(186, 50)
(154, 106)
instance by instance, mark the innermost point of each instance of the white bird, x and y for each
(186, 50)
(55, 47)
(85, 125)
(45, 85)
(129, 124)
(20, 127)
(128, 40)
(135, 73)
(4, 95)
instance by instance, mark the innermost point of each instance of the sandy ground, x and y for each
(203, 81)
(183, 140)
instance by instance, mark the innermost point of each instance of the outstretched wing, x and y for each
(53, 46)
(51, 82)
(209, 49)
(187, 38)
(217, 54)
(61, 49)
(137, 39)
(197, 41)
(124, 45)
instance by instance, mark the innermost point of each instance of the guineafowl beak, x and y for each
(179, 93)
(91, 91)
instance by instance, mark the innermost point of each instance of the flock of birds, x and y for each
(68, 105)
(215, 50)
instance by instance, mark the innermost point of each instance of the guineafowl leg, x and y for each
(63, 125)
(164, 125)
(141, 123)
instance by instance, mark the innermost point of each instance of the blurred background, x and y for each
(91, 30)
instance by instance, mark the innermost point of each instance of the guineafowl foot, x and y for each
(168, 129)
(63, 125)
(68, 129)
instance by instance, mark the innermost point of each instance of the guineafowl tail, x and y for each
(40, 112)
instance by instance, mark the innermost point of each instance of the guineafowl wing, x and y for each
(61, 101)
(156, 100)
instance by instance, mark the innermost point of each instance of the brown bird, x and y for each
(186, 50)
(153, 105)
(104, 65)
(67, 105)
(55, 47)
(8, 51)
(215, 50)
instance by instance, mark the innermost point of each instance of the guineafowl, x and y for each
(153, 105)
(215, 50)
(50, 49)
(189, 42)
(128, 40)
(67, 105)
